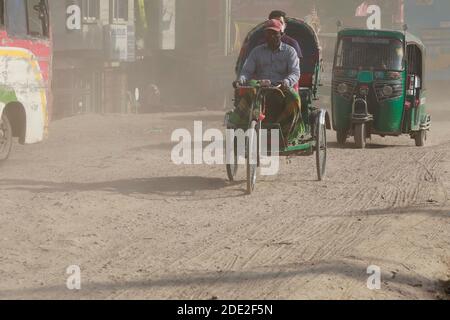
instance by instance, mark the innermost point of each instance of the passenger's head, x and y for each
(279, 15)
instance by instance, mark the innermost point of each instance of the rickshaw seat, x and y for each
(306, 80)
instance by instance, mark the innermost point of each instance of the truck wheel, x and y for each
(360, 135)
(420, 137)
(6, 138)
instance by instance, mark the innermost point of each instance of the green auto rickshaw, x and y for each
(378, 86)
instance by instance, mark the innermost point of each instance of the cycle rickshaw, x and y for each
(308, 136)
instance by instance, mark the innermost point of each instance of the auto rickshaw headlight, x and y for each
(342, 88)
(364, 91)
(388, 91)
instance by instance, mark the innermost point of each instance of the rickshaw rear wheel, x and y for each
(420, 138)
(6, 138)
(251, 161)
(321, 151)
(341, 137)
(360, 135)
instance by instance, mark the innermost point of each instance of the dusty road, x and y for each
(102, 194)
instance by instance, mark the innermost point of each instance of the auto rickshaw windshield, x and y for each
(370, 53)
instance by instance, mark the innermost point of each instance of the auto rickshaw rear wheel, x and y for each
(6, 138)
(360, 135)
(420, 138)
(341, 137)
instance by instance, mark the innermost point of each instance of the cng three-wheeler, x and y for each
(378, 86)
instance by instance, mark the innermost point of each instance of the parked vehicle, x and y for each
(25, 72)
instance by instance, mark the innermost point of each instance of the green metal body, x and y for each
(7, 95)
(390, 116)
(301, 139)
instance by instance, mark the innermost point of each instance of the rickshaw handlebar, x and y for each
(265, 88)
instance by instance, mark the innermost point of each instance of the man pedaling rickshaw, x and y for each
(278, 62)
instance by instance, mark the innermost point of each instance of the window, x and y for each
(119, 10)
(168, 17)
(37, 18)
(91, 10)
(16, 19)
(2, 13)
(374, 53)
(27, 17)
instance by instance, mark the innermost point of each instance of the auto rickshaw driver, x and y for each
(279, 63)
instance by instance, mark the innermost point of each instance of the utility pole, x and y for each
(227, 26)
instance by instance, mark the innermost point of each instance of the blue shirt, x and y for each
(279, 66)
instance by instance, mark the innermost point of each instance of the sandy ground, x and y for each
(102, 193)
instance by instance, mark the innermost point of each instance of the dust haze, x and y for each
(101, 192)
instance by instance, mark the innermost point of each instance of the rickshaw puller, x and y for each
(279, 63)
(277, 15)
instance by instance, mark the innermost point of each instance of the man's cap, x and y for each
(274, 24)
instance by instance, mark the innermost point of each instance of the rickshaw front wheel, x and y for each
(420, 138)
(232, 168)
(6, 138)
(360, 135)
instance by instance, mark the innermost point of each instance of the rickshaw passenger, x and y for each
(281, 16)
(279, 63)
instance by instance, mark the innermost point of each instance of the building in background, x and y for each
(182, 52)
(107, 51)
(175, 52)
(430, 20)
(94, 44)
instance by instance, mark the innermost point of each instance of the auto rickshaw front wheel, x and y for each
(6, 138)
(360, 135)
(420, 137)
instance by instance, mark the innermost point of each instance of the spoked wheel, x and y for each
(420, 138)
(321, 151)
(360, 135)
(5, 138)
(341, 136)
(251, 150)
(232, 169)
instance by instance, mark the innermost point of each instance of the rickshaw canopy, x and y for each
(296, 29)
